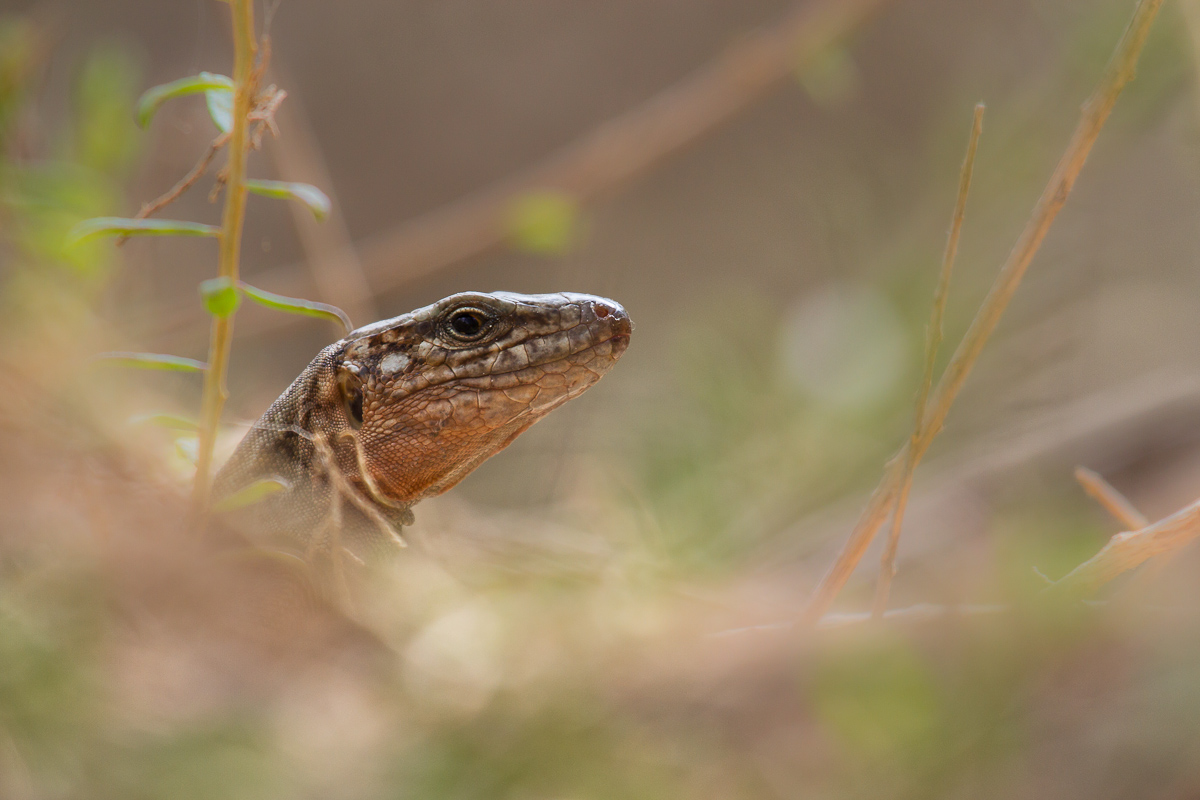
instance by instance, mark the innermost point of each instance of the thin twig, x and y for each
(1130, 549)
(1110, 499)
(1119, 507)
(1120, 71)
(185, 183)
(933, 340)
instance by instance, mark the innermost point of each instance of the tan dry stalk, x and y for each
(245, 78)
(1110, 499)
(1122, 553)
(933, 340)
(1120, 71)
(1131, 548)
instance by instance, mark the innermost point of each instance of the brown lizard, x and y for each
(405, 408)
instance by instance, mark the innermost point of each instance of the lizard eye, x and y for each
(352, 396)
(467, 324)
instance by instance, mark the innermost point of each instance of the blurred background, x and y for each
(605, 609)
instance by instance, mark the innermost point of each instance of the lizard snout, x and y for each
(613, 316)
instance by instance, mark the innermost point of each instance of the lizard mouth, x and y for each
(597, 359)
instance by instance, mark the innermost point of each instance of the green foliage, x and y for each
(883, 704)
(73, 176)
(105, 139)
(205, 82)
(221, 297)
(316, 200)
(220, 108)
(126, 226)
(544, 222)
(739, 449)
(45, 202)
(225, 758)
(1051, 535)
(157, 361)
(569, 749)
(46, 696)
(293, 305)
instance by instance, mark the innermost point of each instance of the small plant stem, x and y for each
(1120, 71)
(933, 340)
(215, 393)
(1123, 511)
(186, 182)
(1110, 499)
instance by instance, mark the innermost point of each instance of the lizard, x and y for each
(403, 409)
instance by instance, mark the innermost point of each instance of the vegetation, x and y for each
(657, 628)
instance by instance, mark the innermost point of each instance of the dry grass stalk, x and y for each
(233, 217)
(933, 340)
(1110, 499)
(1130, 549)
(1120, 71)
(1116, 504)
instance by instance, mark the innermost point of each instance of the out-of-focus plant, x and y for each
(49, 183)
(242, 108)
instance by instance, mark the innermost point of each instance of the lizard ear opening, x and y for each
(352, 395)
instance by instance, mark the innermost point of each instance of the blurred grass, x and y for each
(118, 679)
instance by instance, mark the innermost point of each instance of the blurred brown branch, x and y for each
(1120, 71)
(612, 154)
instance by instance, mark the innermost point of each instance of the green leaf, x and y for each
(220, 108)
(316, 200)
(544, 222)
(126, 226)
(156, 96)
(153, 361)
(173, 422)
(249, 495)
(221, 297)
(293, 305)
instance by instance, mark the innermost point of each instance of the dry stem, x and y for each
(1120, 71)
(1130, 549)
(1116, 504)
(933, 339)
(1110, 499)
(245, 89)
(185, 183)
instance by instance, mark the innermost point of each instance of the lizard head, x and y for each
(432, 394)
